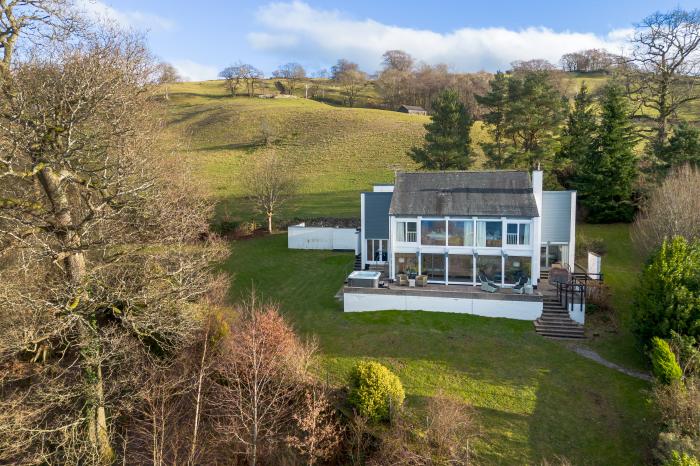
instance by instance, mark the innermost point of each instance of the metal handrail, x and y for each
(568, 292)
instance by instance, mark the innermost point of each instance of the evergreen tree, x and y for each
(525, 115)
(682, 147)
(498, 152)
(606, 178)
(447, 141)
(667, 299)
(534, 118)
(578, 140)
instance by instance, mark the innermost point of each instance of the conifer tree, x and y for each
(497, 152)
(683, 147)
(606, 180)
(447, 141)
(578, 140)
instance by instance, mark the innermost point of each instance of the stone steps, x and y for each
(556, 323)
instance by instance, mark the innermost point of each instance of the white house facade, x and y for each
(459, 227)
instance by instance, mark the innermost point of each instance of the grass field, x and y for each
(621, 268)
(535, 398)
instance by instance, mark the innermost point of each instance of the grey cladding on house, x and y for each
(377, 215)
(487, 193)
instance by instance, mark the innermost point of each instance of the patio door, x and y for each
(377, 250)
(433, 265)
(553, 254)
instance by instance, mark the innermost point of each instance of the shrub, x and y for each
(682, 459)
(374, 390)
(668, 296)
(585, 244)
(663, 362)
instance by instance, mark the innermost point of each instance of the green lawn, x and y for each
(621, 267)
(535, 398)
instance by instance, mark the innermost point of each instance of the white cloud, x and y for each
(132, 18)
(193, 71)
(298, 31)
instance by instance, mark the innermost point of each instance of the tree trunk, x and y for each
(198, 402)
(73, 257)
(74, 268)
(269, 222)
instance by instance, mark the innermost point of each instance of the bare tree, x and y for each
(262, 367)
(100, 240)
(253, 77)
(352, 80)
(671, 210)
(343, 66)
(269, 183)
(167, 74)
(537, 64)
(318, 431)
(397, 60)
(234, 75)
(33, 20)
(664, 65)
(292, 73)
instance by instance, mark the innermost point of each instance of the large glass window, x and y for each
(489, 234)
(517, 267)
(432, 232)
(518, 234)
(405, 262)
(406, 232)
(460, 268)
(460, 233)
(489, 266)
(433, 265)
(377, 250)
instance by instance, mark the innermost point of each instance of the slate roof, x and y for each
(414, 108)
(487, 193)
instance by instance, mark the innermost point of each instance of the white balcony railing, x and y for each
(411, 237)
(512, 238)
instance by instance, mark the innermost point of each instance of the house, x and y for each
(413, 110)
(459, 227)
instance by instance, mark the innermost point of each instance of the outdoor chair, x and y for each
(519, 287)
(421, 280)
(487, 285)
(403, 279)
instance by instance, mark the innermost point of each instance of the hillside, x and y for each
(337, 151)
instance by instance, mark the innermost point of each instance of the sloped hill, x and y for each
(337, 151)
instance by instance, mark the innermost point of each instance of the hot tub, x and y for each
(364, 279)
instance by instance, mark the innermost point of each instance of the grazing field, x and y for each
(536, 400)
(336, 151)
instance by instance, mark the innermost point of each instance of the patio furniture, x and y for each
(411, 282)
(403, 279)
(422, 280)
(519, 287)
(487, 285)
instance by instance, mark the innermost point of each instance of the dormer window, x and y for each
(406, 232)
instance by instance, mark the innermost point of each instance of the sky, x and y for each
(202, 37)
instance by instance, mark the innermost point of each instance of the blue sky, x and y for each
(202, 37)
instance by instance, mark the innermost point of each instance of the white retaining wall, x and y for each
(521, 310)
(303, 237)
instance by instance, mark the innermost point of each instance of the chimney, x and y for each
(537, 176)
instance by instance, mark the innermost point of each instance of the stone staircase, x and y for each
(555, 321)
